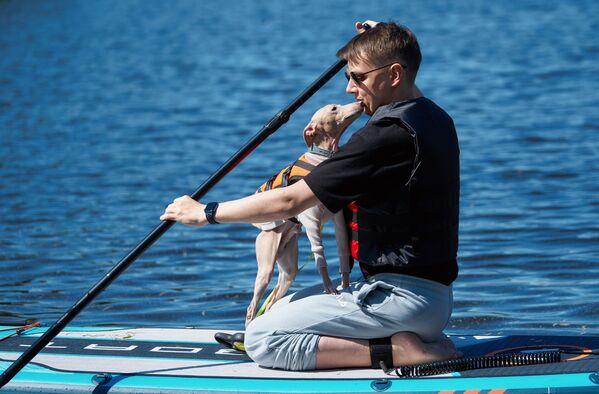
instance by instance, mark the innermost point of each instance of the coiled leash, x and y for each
(470, 363)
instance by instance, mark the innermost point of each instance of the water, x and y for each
(110, 109)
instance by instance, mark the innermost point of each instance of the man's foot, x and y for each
(409, 349)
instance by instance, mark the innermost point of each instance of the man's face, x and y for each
(370, 87)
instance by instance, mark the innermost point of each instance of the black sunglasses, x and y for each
(360, 77)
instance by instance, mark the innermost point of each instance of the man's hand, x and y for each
(360, 25)
(186, 210)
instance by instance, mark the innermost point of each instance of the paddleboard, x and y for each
(165, 360)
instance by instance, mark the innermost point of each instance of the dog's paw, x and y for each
(329, 288)
(249, 315)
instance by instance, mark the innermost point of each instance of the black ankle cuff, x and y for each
(381, 352)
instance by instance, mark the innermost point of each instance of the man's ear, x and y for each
(397, 74)
(309, 133)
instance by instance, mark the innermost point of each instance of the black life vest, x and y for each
(288, 175)
(416, 230)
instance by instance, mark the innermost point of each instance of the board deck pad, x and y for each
(148, 360)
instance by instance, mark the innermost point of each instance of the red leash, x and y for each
(18, 330)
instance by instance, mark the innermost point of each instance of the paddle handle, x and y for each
(273, 125)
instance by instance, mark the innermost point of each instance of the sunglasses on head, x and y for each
(360, 77)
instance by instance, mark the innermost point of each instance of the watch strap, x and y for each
(210, 212)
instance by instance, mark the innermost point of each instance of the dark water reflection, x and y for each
(109, 110)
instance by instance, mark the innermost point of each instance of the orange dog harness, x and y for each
(288, 175)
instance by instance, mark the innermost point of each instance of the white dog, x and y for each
(278, 240)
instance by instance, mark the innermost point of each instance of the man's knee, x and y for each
(256, 345)
(294, 352)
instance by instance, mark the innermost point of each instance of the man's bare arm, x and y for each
(281, 203)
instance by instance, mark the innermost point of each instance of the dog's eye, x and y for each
(334, 108)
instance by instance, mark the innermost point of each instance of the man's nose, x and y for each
(351, 86)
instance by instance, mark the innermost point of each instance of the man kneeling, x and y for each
(398, 180)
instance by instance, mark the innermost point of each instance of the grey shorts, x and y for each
(287, 336)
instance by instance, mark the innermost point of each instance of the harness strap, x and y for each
(302, 163)
(285, 176)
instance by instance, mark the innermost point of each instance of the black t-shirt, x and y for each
(374, 166)
(375, 162)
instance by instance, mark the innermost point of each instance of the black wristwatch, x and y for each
(210, 211)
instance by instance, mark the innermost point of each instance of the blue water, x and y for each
(110, 109)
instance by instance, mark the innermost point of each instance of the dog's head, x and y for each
(328, 124)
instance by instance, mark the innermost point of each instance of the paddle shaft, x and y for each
(273, 125)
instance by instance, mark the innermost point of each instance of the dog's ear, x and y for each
(309, 133)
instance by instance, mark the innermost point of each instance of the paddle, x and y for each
(273, 125)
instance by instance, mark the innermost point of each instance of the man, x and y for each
(399, 178)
